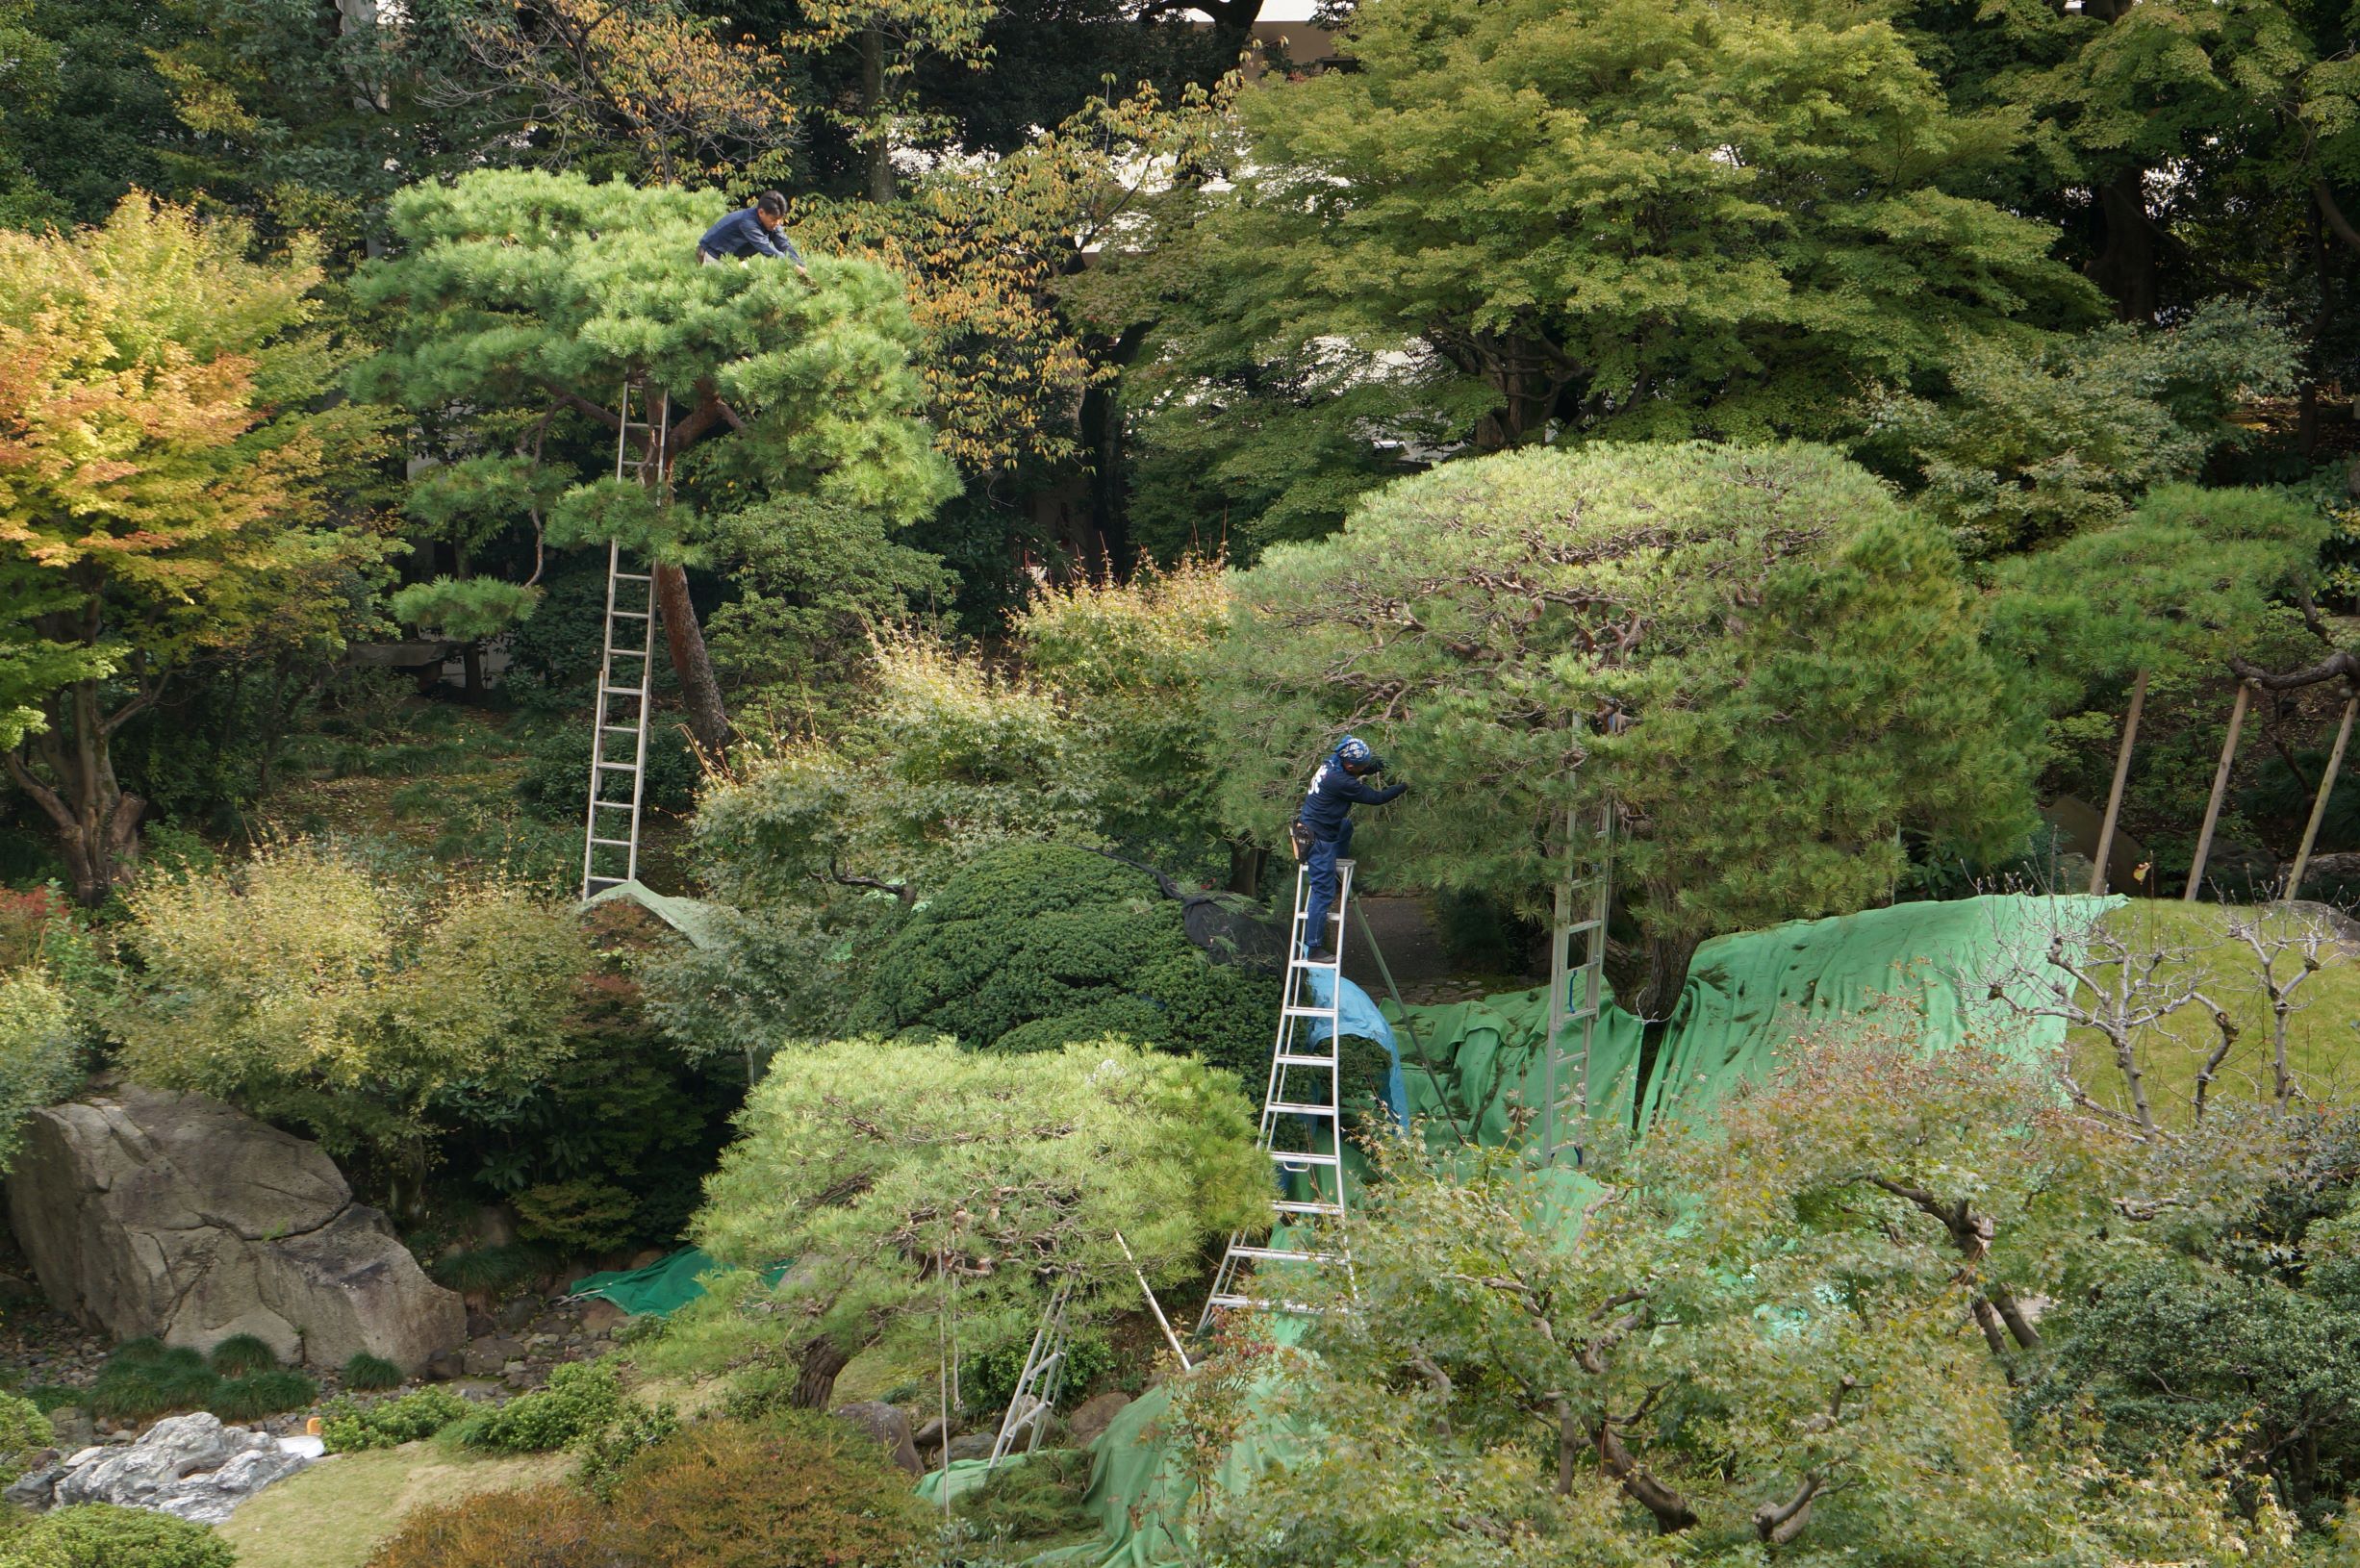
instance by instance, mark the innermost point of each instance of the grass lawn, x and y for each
(2322, 1044)
(334, 1514)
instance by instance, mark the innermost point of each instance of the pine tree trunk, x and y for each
(708, 716)
(819, 1363)
(878, 154)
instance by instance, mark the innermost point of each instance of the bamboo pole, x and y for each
(2221, 791)
(2318, 806)
(2121, 776)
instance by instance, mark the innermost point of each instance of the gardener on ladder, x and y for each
(759, 230)
(1323, 830)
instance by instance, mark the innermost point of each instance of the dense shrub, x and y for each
(799, 1489)
(260, 1394)
(101, 1535)
(543, 1526)
(349, 1427)
(580, 1402)
(24, 1432)
(40, 1049)
(1032, 947)
(241, 1354)
(1039, 1500)
(987, 1380)
(607, 1453)
(370, 1373)
(491, 1271)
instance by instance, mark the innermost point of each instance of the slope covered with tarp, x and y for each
(1928, 968)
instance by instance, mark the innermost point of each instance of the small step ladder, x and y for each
(626, 670)
(1573, 1024)
(1038, 1384)
(1306, 1081)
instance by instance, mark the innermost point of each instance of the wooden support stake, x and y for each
(2221, 791)
(2121, 776)
(2318, 807)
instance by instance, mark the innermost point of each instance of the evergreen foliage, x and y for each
(911, 1182)
(102, 1536)
(40, 1050)
(1796, 657)
(1033, 946)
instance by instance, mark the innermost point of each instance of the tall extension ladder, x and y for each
(610, 839)
(1305, 1081)
(1573, 1025)
(1038, 1384)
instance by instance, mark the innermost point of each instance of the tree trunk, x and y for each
(877, 154)
(2127, 266)
(97, 824)
(708, 716)
(818, 1363)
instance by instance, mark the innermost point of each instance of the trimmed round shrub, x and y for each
(1030, 946)
(242, 1354)
(370, 1373)
(798, 1488)
(101, 1535)
(263, 1394)
(541, 1527)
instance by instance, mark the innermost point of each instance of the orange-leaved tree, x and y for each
(161, 475)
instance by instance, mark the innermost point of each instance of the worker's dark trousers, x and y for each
(1324, 853)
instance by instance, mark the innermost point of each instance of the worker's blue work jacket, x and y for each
(741, 234)
(1334, 793)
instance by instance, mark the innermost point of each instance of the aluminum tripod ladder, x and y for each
(1306, 1082)
(1038, 1385)
(626, 668)
(1577, 992)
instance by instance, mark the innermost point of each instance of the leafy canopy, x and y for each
(1797, 658)
(305, 987)
(881, 1167)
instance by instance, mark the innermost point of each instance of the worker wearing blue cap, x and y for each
(1323, 831)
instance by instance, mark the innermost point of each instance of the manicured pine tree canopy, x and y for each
(544, 294)
(1797, 655)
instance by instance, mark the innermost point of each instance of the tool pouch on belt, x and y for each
(1299, 839)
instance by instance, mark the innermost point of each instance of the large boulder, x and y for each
(174, 1215)
(192, 1467)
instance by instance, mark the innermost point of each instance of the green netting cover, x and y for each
(1745, 996)
(663, 1287)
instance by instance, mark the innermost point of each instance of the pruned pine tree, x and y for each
(523, 300)
(1793, 661)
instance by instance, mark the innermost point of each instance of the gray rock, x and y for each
(174, 1215)
(515, 1312)
(489, 1357)
(602, 1316)
(889, 1425)
(1097, 1413)
(444, 1365)
(74, 1427)
(35, 1489)
(191, 1466)
(972, 1445)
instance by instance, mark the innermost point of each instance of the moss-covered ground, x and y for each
(2322, 1040)
(334, 1514)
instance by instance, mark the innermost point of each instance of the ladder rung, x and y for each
(632, 578)
(618, 766)
(1298, 962)
(1290, 1059)
(1281, 1107)
(1289, 1206)
(1581, 926)
(614, 844)
(1290, 1156)
(611, 805)
(1312, 1012)
(620, 729)
(635, 615)
(1253, 1303)
(639, 691)
(1282, 1254)
(610, 882)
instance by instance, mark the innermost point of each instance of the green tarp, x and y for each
(663, 1287)
(1927, 965)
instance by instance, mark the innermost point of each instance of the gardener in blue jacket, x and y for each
(759, 230)
(1323, 831)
